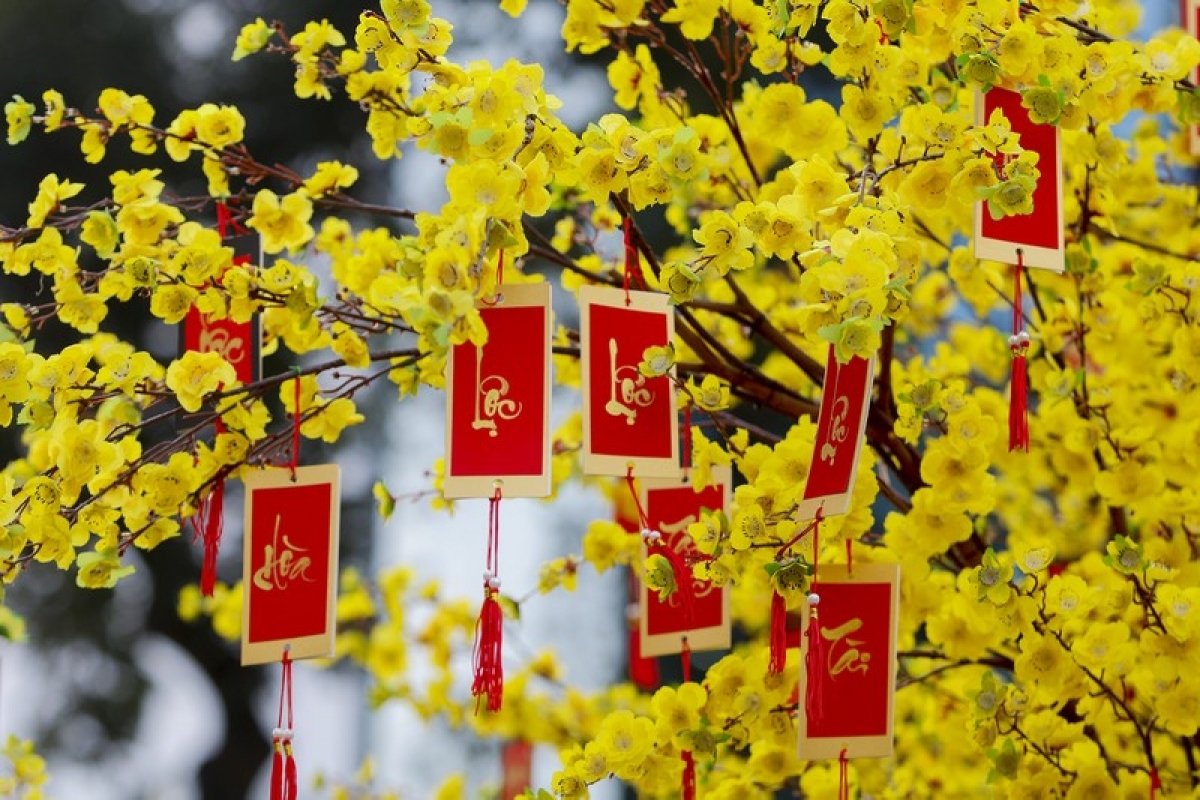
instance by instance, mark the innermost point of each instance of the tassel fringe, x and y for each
(778, 660)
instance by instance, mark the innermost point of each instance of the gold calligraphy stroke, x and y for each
(491, 399)
(627, 388)
(281, 565)
(844, 653)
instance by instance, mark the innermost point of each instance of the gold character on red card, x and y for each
(631, 390)
(281, 565)
(844, 653)
(217, 339)
(493, 391)
(838, 430)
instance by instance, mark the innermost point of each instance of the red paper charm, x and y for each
(840, 426)
(238, 342)
(498, 400)
(290, 563)
(671, 506)
(1039, 234)
(628, 418)
(858, 622)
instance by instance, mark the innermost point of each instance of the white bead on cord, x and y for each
(281, 733)
(649, 535)
(492, 581)
(1018, 340)
(814, 599)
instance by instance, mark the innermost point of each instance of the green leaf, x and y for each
(479, 136)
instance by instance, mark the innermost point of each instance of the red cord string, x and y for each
(283, 762)
(656, 543)
(850, 557)
(843, 776)
(295, 428)
(631, 258)
(1018, 343)
(687, 437)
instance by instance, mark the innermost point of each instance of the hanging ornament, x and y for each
(851, 654)
(697, 611)
(498, 399)
(629, 414)
(239, 344)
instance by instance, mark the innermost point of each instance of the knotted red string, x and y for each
(284, 785)
(814, 658)
(656, 544)
(1018, 345)
(489, 630)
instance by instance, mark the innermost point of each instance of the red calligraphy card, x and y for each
(841, 423)
(1191, 17)
(290, 563)
(671, 505)
(1038, 235)
(629, 420)
(498, 400)
(857, 619)
(240, 343)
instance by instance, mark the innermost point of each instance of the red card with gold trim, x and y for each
(238, 342)
(1039, 235)
(290, 563)
(628, 419)
(841, 423)
(857, 617)
(671, 505)
(498, 400)
(1191, 21)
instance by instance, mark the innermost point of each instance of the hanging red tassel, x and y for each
(210, 522)
(1018, 345)
(843, 776)
(778, 634)
(277, 766)
(656, 544)
(1155, 783)
(814, 656)
(688, 789)
(290, 783)
(283, 764)
(489, 631)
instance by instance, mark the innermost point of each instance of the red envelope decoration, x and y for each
(290, 563)
(841, 423)
(498, 400)
(858, 618)
(1039, 235)
(239, 342)
(628, 419)
(672, 505)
